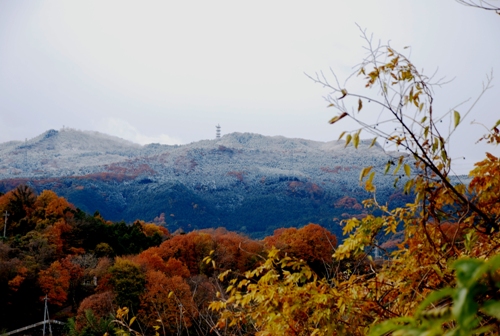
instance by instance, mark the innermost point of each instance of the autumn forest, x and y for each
(428, 265)
(89, 267)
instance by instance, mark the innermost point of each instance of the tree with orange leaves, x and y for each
(49, 205)
(94, 314)
(234, 251)
(312, 243)
(167, 302)
(190, 249)
(55, 281)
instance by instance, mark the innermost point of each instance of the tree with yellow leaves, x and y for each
(447, 222)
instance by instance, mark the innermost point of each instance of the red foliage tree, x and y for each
(151, 260)
(190, 249)
(347, 202)
(234, 251)
(174, 267)
(312, 243)
(55, 281)
(169, 300)
(231, 250)
(101, 305)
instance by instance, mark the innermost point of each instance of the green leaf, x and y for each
(389, 326)
(456, 118)
(492, 308)
(467, 270)
(434, 297)
(494, 263)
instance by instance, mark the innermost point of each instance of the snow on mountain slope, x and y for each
(64, 152)
(70, 152)
(243, 181)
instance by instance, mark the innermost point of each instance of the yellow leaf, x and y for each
(348, 140)
(333, 120)
(341, 135)
(355, 140)
(364, 172)
(409, 184)
(497, 124)
(344, 93)
(373, 142)
(407, 170)
(131, 321)
(372, 175)
(456, 118)
(400, 161)
(444, 156)
(387, 167)
(337, 118)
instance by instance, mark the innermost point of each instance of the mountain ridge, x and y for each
(208, 183)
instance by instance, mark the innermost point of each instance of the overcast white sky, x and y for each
(169, 71)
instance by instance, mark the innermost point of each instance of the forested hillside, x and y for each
(205, 184)
(89, 267)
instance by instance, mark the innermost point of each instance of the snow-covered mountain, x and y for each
(244, 181)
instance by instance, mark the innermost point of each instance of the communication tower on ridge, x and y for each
(217, 131)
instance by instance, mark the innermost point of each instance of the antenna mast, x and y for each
(217, 131)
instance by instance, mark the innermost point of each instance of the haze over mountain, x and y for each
(246, 182)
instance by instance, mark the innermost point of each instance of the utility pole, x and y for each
(6, 214)
(46, 318)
